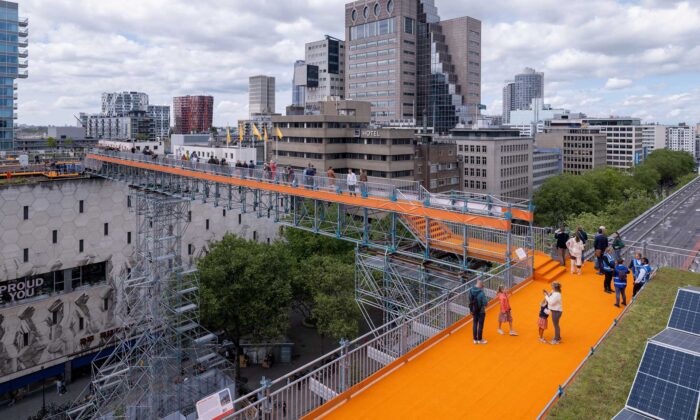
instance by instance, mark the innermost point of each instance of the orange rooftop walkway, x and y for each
(510, 377)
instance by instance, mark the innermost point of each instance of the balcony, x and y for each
(15, 96)
(23, 22)
(23, 53)
(23, 74)
(23, 64)
(23, 32)
(23, 42)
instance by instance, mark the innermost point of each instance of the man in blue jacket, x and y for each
(620, 282)
(608, 268)
(600, 244)
(477, 306)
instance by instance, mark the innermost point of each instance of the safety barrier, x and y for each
(307, 388)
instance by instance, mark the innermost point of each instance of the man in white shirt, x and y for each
(352, 182)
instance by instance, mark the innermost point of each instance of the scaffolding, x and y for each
(165, 361)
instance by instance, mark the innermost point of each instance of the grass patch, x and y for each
(601, 388)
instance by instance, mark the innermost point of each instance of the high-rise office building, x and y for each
(13, 56)
(119, 104)
(409, 64)
(193, 114)
(261, 95)
(328, 55)
(519, 94)
(681, 138)
(160, 120)
(653, 138)
(298, 85)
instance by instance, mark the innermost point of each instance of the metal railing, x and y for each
(307, 388)
(392, 189)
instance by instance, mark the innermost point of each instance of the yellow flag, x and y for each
(278, 132)
(265, 133)
(228, 136)
(256, 132)
(240, 133)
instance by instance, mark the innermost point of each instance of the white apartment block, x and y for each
(119, 104)
(328, 54)
(653, 138)
(160, 120)
(682, 138)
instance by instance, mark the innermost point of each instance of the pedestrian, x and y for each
(621, 272)
(58, 385)
(642, 277)
(608, 265)
(635, 264)
(331, 176)
(562, 236)
(600, 244)
(223, 162)
(251, 168)
(291, 177)
(505, 313)
(582, 234)
(352, 182)
(266, 171)
(363, 182)
(554, 304)
(617, 245)
(477, 307)
(575, 247)
(284, 408)
(312, 175)
(542, 320)
(273, 169)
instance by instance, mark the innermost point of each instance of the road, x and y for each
(675, 223)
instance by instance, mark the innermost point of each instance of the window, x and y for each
(26, 212)
(224, 212)
(408, 25)
(207, 224)
(189, 216)
(255, 235)
(239, 219)
(190, 249)
(26, 255)
(128, 201)
(81, 323)
(105, 304)
(25, 339)
(365, 12)
(128, 237)
(106, 229)
(354, 14)
(377, 9)
(80, 246)
(81, 207)
(54, 236)
(390, 6)
(54, 317)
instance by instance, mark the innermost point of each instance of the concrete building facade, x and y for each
(519, 93)
(117, 104)
(682, 138)
(64, 247)
(328, 55)
(136, 125)
(582, 149)
(13, 65)
(193, 114)
(261, 95)
(160, 121)
(495, 161)
(437, 165)
(653, 138)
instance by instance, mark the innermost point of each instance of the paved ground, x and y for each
(676, 223)
(30, 405)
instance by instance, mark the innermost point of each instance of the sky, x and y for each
(603, 57)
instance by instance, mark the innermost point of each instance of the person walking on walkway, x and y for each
(562, 236)
(330, 173)
(363, 182)
(642, 276)
(575, 247)
(504, 314)
(477, 307)
(542, 321)
(621, 272)
(554, 304)
(600, 244)
(352, 182)
(608, 265)
(617, 245)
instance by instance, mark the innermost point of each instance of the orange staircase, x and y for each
(547, 269)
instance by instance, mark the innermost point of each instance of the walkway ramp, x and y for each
(510, 377)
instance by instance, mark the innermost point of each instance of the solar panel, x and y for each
(667, 383)
(686, 311)
(627, 414)
(678, 339)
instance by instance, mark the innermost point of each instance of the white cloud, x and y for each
(614, 83)
(80, 48)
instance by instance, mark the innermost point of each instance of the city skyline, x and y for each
(591, 62)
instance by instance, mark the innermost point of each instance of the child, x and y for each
(542, 321)
(504, 315)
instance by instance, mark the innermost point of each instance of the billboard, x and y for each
(215, 406)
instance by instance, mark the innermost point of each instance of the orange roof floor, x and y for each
(510, 377)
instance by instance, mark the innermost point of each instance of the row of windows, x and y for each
(441, 182)
(474, 160)
(516, 170)
(472, 148)
(372, 94)
(507, 160)
(372, 84)
(373, 44)
(515, 147)
(478, 172)
(371, 54)
(475, 185)
(372, 64)
(370, 29)
(376, 114)
(383, 104)
(509, 183)
(379, 73)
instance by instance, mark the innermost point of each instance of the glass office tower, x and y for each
(13, 65)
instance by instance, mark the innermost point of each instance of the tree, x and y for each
(141, 137)
(214, 131)
(51, 143)
(245, 289)
(670, 165)
(562, 196)
(334, 307)
(68, 142)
